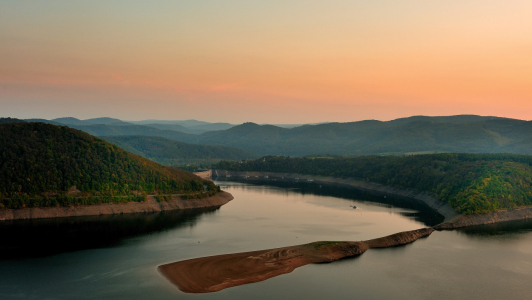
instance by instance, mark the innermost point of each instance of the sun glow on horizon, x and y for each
(266, 61)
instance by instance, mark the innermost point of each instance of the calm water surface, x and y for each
(115, 257)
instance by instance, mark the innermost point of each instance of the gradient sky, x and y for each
(269, 61)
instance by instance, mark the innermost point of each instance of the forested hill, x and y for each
(174, 153)
(470, 183)
(39, 161)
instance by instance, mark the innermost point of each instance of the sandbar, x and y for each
(215, 273)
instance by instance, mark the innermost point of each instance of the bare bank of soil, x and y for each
(424, 197)
(484, 219)
(151, 205)
(452, 218)
(215, 273)
(204, 175)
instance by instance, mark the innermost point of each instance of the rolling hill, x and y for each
(417, 134)
(471, 134)
(114, 130)
(174, 153)
(40, 163)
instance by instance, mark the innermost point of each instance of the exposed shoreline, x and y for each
(485, 219)
(424, 197)
(215, 273)
(452, 219)
(151, 205)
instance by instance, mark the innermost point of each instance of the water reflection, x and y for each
(447, 265)
(44, 237)
(420, 212)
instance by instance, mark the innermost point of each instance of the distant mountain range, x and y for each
(159, 145)
(186, 126)
(417, 134)
(175, 153)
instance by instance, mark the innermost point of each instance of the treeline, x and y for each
(470, 183)
(42, 161)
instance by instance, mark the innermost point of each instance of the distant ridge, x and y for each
(175, 153)
(186, 123)
(94, 121)
(10, 120)
(465, 133)
(70, 121)
(412, 135)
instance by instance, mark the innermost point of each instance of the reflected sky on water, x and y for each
(115, 257)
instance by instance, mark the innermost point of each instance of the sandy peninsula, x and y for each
(215, 273)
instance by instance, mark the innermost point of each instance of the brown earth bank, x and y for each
(215, 273)
(204, 175)
(484, 219)
(452, 218)
(151, 205)
(429, 199)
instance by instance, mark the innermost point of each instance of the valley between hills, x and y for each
(472, 170)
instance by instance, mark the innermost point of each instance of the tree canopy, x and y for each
(42, 160)
(470, 183)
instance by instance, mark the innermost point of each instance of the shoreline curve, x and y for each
(452, 219)
(427, 198)
(150, 205)
(215, 273)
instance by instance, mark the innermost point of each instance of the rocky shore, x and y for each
(151, 205)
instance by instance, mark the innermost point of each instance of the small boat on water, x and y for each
(354, 207)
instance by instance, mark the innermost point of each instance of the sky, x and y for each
(300, 61)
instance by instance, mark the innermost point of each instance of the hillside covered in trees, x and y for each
(40, 164)
(174, 153)
(470, 183)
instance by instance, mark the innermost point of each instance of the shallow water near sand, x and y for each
(115, 257)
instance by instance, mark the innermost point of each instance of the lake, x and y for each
(116, 257)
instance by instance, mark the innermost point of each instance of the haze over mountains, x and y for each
(175, 153)
(186, 126)
(417, 134)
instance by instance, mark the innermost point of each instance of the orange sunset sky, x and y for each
(265, 61)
